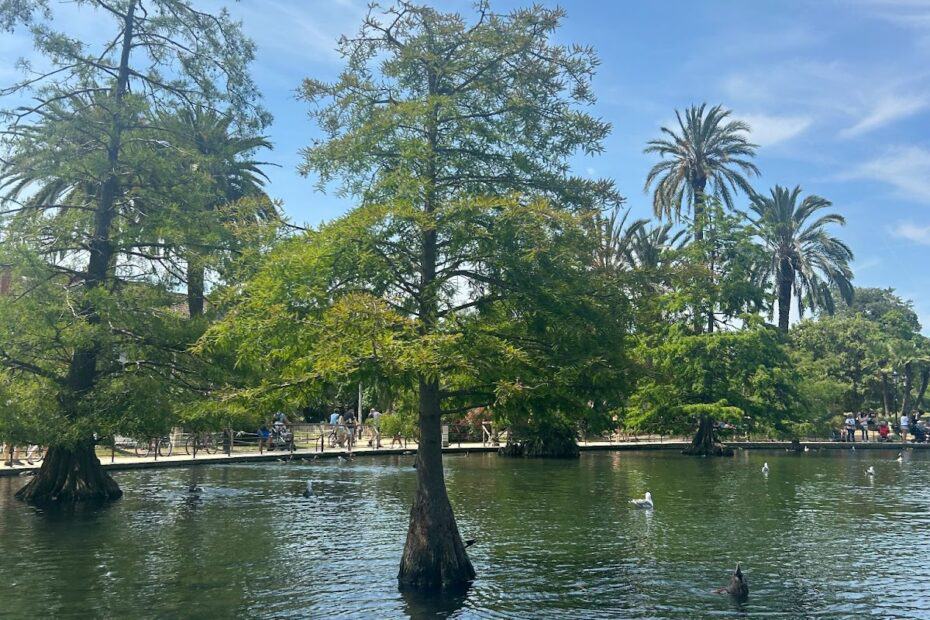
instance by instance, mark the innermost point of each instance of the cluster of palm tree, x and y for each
(709, 155)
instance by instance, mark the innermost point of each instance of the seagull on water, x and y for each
(870, 471)
(900, 458)
(646, 502)
(765, 468)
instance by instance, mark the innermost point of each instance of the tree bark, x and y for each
(434, 555)
(195, 285)
(887, 407)
(785, 277)
(73, 473)
(704, 443)
(70, 475)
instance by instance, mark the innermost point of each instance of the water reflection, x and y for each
(817, 537)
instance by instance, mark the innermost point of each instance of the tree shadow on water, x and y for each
(433, 604)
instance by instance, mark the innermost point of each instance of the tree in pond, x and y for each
(90, 324)
(742, 377)
(805, 260)
(430, 112)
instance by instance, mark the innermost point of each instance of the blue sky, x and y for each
(837, 93)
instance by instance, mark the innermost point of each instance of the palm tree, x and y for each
(614, 238)
(804, 259)
(225, 158)
(709, 151)
(650, 246)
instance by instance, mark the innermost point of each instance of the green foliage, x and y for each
(803, 258)
(95, 188)
(744, 376)
(709, 154)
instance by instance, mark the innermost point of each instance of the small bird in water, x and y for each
(646, 502)
(194, 489)
(900, 458)
(308, 492)
(870, 471)
(807, 448)
(739, 587)
(765, 468)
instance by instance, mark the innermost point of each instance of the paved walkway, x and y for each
(120, 462)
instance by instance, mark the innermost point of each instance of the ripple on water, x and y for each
(556, 539)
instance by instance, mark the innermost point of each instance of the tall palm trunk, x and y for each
(700, 221)
(785, 279)
(72, 473)
(434, 555)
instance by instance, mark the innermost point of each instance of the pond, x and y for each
(816, 536)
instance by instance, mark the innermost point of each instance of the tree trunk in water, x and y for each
(543, 441)
(785, 277)
(70, 475)
(195, 287)
(704, 443)
(434, 555)
(73, 474)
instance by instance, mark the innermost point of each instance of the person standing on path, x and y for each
(850, 425)
(864, 425)
(905, 426)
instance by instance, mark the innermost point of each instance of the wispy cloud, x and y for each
(906, 168)
(768, 130)
(887, 109)
(912, 232)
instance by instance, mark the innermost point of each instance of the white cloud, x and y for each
(912, 232)
(906, 168)
(887, 109)
(768, 130)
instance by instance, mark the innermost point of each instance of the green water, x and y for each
(817, 538)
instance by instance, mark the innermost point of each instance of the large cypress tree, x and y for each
(89, 321)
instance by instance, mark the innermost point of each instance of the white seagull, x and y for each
(900, 458)
(765, 468)
(644, 503)
(870, 471)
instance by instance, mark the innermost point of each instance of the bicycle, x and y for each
(160, 445)
(200, 442)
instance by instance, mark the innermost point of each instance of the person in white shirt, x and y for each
(905, 425)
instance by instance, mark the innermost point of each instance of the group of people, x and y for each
(346, 430)
(866, 422)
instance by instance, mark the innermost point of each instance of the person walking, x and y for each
(374, 415)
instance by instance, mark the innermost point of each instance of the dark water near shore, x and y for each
(816, 537)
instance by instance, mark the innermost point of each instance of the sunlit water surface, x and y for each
(557, 539)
